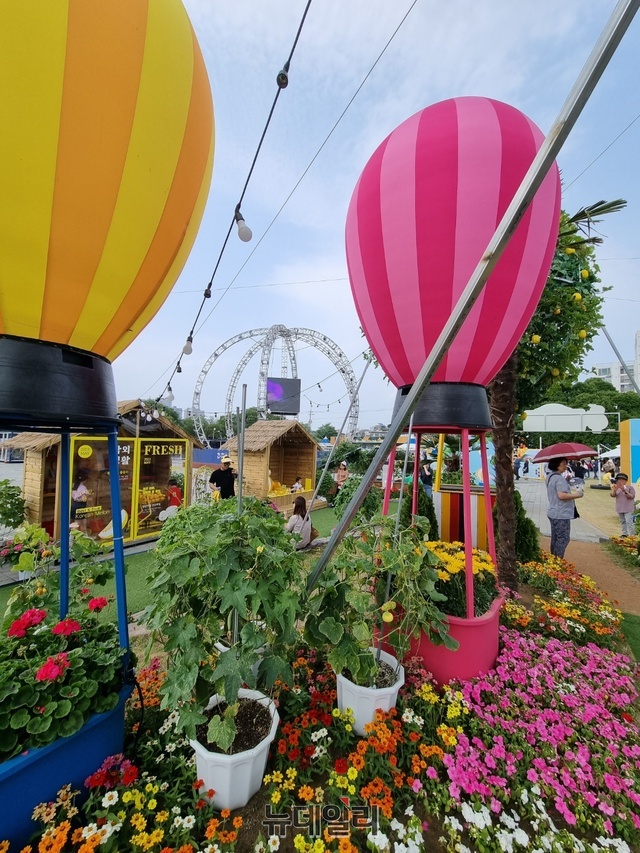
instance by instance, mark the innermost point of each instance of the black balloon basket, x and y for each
(53, 384)
(449, 405)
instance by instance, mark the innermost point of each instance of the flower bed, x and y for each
(542, 753)
(628, 545)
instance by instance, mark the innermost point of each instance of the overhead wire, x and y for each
(282, 82)
(604, 150)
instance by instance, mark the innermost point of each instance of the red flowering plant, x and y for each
(55, 673)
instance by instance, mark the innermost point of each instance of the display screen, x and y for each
(283, 396)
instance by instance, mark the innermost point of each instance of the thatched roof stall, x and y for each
(275, 453)
(41, 470)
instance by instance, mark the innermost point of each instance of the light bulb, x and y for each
(244, 232)
(155, 413)
(149, 417)
(169, 398)
(178, 368)
(187, 349)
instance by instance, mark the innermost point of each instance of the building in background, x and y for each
(615, 374)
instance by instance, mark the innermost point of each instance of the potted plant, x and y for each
(61, 688)
(223, 577)
(28, 550)
(376, 591)
(476, 638)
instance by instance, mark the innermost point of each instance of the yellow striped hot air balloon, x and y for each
(106, 154)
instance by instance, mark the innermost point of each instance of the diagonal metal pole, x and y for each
(605, 47)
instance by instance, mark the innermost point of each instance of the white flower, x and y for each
(259, 848)
(507, 820)
(521, 837)
(409, 811)
(170, 747)
(407, 716)
(453, 822)
(419, 721)
(175, 809)
(505, 840)
(273, 843)
(110, 799)
(316, 736)
(164, 786)
(89, 830)
(177, 822)
(189, 821)
(379, 841)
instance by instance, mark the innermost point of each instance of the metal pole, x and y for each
(338, 437)
(598, 60)
(64, 514)
(118, 545)
(242, 417)
(621, 360)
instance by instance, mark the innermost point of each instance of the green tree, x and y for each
(325, 431)
(551, 351)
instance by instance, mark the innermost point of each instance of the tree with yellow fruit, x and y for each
(551, 351)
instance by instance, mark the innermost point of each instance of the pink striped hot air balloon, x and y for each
(422, 213)
(106, 156)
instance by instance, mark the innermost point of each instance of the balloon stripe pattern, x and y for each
(109, 156)
(422, 214)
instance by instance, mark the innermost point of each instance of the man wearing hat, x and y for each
(222, 479)
(625, 502)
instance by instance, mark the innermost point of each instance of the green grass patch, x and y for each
(137, 567)
(622, 558)
(631, 631)
(324, 520)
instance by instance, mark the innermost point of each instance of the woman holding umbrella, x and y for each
(562, 507)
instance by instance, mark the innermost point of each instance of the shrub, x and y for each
(11, 504)
(426, 509)
(527, 542)
(370, 505)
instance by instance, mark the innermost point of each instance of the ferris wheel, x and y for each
(264, 341)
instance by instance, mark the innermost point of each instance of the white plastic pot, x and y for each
(236, 778)
(365, 701)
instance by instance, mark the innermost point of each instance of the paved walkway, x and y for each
(534, 499)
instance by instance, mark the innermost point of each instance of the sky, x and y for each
(346, 93)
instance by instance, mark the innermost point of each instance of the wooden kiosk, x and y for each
(275, 453)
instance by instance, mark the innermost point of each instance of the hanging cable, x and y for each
(613, 141)
(244, 232)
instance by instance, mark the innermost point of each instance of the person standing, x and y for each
(516, 466)
(561, 507)
(222, 480)
(625, 502)
(426, 477)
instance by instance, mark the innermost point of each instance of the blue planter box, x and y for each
(37, 776)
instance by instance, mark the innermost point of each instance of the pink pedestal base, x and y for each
(476, 654)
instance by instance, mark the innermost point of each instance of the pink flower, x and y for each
(54, 668)
(98, 604)
(66, 627)
(416, 785)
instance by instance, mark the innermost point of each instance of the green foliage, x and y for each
(326, 484)
(526, 540)
(357, 459)
(227, 591)
(370, 505)
(348, 604)
(11, 504)
(569, 314)
(54, 675)
(426, 509)
(325, 431)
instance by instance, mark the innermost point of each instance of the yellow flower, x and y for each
(152, 805)
(138, 821)
(352, 774)
(260, 549)
(162, 816)
(351, 789)
(127, 796)
(276, 796)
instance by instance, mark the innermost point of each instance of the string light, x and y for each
(244, 232)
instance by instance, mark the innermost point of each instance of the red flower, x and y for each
(294, 754)
(627, 717)
(66, 627)
(130, 775)
(341, 766)
(98, 603)
(282, 746)
(54, 668)
(29, 618)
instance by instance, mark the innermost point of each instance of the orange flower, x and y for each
(212, 828)
(237, 822)
(305, 793)
(225, 813)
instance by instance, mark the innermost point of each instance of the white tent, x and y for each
(611, 454)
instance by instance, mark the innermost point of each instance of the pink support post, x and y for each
(416, 474)
(468, 535)
(388, 485)
(488, 510)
